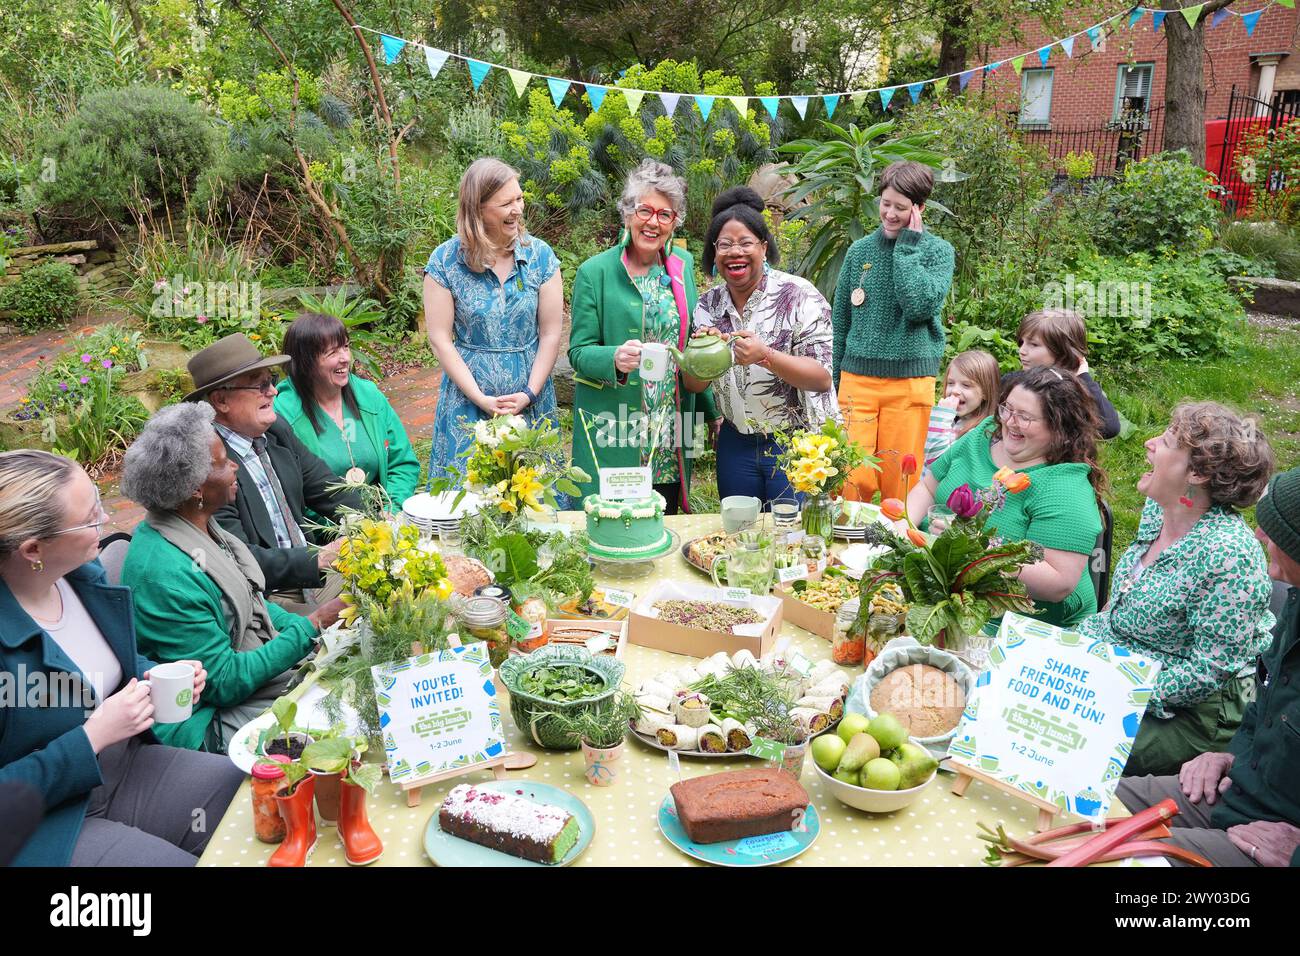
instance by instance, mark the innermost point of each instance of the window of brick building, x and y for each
(1036, 98)
(1133, 87)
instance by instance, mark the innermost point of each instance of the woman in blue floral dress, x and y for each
(494, 304)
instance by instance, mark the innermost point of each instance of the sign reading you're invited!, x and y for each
(438, 712)
(1055, 715)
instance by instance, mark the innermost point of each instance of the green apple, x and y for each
(881, 774)
(850, 725)
(827, 751)
(915, 765)
(887, 730)
(851, 777)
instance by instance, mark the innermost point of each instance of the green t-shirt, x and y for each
(1058, 510)
(334, 449)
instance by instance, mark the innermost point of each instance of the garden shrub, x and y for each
(44, 295)
(474, 130)
(1164, 200)
(61, 384)
(124, 148)
(1274, 247)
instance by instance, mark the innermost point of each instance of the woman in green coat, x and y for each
(641, 291)
(198, 590)
(343, 419)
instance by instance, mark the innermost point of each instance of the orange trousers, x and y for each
(888, 418)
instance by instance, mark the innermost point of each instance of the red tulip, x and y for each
(963, 503)
(909, 465)
(892, 509)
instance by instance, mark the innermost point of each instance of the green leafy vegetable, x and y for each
(568, 682)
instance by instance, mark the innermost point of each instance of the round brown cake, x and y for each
(924, 699)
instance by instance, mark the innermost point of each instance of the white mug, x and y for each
(654, 361)
(171, 688)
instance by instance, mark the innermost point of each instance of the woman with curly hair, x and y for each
(1046, 428)
(1193, 588)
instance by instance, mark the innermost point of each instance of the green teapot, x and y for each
(706, 357)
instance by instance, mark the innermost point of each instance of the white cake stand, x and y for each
(635, 567)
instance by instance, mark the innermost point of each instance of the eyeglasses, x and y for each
(103, 517)
(1009, 414)
(267, 387)
(665, 217)
(746, 246)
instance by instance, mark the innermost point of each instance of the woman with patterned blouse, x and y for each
(779, 327)
(1192, 591)
(494, 305)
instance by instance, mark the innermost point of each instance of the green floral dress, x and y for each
(1201, 609)
(659, 399)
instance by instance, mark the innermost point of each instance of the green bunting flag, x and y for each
(1289, 4)
(519, 79)
(857, 99)
(1018, 64)
(633, 98)
(1192, 14)
(741, 103)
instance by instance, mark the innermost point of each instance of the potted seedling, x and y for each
(329, 760)
(336, 760)
(601, 733)
(286, 740)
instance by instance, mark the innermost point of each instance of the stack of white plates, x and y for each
(435, 513)
(864, 514)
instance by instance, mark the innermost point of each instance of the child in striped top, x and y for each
(970, 394)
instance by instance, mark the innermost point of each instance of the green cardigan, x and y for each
(399, 469)
(897, 331)
(178, 616)
(607, 311)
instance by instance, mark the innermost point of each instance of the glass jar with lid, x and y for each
(849, 644)
(268, 824)
(814, 550)
(485, 619)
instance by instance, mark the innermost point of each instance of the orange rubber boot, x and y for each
(361, 845)
(299, 812)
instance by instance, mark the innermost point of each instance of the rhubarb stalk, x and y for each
(1125, 830)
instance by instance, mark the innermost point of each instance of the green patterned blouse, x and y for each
(1201, 609)
(659, 399)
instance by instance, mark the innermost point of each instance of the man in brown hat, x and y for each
(278, 476)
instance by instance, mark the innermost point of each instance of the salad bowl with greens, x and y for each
(564, 680)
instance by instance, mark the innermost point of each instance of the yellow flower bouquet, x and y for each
(817, 464)
(382, 562)
(515, 468)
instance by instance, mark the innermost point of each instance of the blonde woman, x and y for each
(494, 305)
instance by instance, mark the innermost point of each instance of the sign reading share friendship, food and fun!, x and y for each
(438, 712)
(1055, 715)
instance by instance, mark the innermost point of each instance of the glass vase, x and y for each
(819, 516)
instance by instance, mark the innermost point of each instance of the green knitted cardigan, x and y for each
(897, 331)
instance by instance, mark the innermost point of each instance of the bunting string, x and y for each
(560, 87)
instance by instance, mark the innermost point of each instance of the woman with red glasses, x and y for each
(642, 291)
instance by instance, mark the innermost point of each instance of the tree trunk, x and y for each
(1185, 86)
(954, 43)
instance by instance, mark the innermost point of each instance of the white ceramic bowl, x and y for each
(872, 801)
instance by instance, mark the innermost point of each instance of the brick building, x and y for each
(1127, 69)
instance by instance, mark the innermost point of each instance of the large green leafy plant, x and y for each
(956, 583)
(839, 175)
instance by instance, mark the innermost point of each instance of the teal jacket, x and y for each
(1266, 770)
(45, 746)
(178, 617)
(607, 311)
(399, 469)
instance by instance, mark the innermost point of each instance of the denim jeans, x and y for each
(747, 466)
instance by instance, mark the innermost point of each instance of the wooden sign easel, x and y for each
(1047, 812)
(414, 788)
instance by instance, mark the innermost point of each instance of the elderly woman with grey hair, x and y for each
(198, 590)
(640, 292)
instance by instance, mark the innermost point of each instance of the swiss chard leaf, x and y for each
(925, 621)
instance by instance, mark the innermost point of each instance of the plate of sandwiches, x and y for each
(508, 823)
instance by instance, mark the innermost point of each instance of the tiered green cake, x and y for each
(626, 529)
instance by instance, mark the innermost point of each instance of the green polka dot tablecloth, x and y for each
(939, 829)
